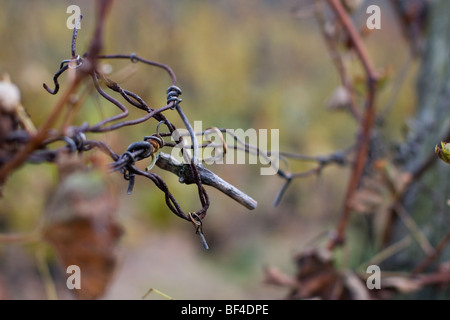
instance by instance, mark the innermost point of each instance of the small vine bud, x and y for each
(443, 152)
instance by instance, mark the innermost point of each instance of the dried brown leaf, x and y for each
(91, 246)
(82, 226)
(316, 276)
(313, 260)
(320, 285)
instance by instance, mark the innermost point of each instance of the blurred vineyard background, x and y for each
(240, 64)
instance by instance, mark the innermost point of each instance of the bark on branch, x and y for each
(183, 171)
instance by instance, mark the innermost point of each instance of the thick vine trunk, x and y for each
(427, 201)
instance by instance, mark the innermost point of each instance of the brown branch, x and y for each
(433, 256)
(337, 60)
(414, 229)
(36, 141)
(87, 68)
(134, 58)
(96, 44)
(168, 163)
(366, 123)
(355, 38)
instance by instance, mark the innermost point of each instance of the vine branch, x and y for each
(366, 123)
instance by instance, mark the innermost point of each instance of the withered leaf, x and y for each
(90, 245)
(318, 278)
(82, 226)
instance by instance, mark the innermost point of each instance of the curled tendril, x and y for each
(55, 80)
